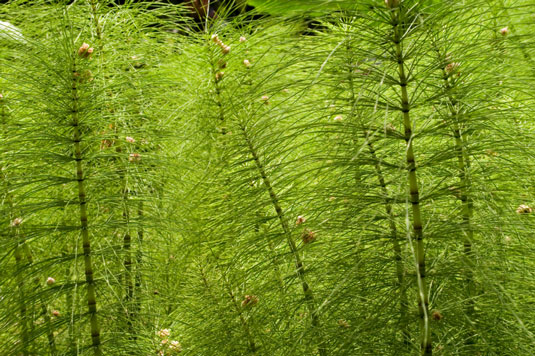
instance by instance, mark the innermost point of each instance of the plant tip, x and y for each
(436, 315)
(164, 333)
(134, 157)
(523, 209)
(392, 4)
(50, 281)
(343, 323)
(308, 236)
(16, 222)
(243, 39)
(249, 301)
(175, 346)
(452, 68)
(85, 51)
(300, 219)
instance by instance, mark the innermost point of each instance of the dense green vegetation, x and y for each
(254, 187)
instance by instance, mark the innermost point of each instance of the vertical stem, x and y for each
(86, 243)
(243, 320)
(218, 99)
(15, 234)
(127, 262)
(94, 13)
(403, 300)
(463, 164)
(299, 268)
(44, 308)
(69, 306)
(211, 294)
(22, 295)
(139, 262)
(417, 226)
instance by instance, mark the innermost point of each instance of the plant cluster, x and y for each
(244, 189)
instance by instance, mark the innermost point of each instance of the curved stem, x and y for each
(299, 268)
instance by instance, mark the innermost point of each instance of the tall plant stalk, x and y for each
(127, 251)
(394, 236)
(94, 13)
(24, 329)
(43, 306)
(449, 74)
(138, 280)
(398, 23)
(84, 226)
(15, 234)
(244, 321)
(299, 267)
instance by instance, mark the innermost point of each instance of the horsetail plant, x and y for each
(401, 22)
(84, 53)
(259, 185)
(368, 135)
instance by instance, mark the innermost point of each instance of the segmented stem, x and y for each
(244, 322)
(127, 262)
(14, 235)
(463, 163)
(299, 268)
(24, 334)
(94, 13)
(414, 196)
(86, 243)
(403, 300)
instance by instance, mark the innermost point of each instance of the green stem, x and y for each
(94, 13)
(414, 195)
(463, 164)
(243, 320)
(299, 268)
(211, 294)
(90, 282)
(139, 263)
(22, 295)
(127, 263)
(14, 233)
(275, 259)
(403, 300)
(44, 307)
(69, 307)
(218, 99)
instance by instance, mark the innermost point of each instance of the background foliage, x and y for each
(256, 184)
